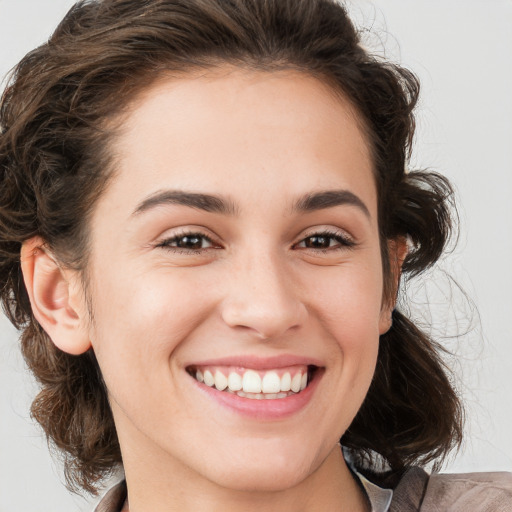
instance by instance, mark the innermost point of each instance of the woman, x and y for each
(205, 217)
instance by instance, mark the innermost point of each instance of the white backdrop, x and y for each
(462, 52)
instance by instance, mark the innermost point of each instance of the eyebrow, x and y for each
(205, 202)
(329, 199)
(217, 204)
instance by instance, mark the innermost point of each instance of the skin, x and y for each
(258, 287)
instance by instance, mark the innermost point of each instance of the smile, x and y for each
(269, 384)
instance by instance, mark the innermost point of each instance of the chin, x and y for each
(265, 471)
(263, 480)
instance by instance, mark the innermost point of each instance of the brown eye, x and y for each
(188, 242)
(326, 241)
(318, 242)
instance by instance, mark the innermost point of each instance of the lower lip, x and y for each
(265, 409)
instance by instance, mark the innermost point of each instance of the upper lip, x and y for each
(258, 363)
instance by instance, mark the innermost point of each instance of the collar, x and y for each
(379, 498)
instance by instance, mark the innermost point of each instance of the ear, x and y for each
(54, 297)
(397, 250)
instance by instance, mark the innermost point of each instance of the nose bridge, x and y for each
(262, 296)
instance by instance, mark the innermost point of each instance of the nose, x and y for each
(263, 299)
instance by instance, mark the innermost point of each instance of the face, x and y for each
(236, 278)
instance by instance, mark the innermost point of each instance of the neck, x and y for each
(330, 488)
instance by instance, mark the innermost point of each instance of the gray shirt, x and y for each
(417, 491)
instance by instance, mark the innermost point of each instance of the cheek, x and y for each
(140, 322)
(348, 304)
(349, 298)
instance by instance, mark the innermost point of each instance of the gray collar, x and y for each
(380, 498)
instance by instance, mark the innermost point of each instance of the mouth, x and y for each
(254, 384)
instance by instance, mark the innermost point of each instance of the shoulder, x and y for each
(470, 491)
(475, 492)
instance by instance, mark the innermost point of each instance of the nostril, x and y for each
(264, 324)
(269, 308)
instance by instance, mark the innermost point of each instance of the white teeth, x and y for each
(221, 383)
(263, 396)
(304, 381)
(286, 382)
(251, 382)
(295, 387)
(271, 383)
(252, 385)
(208, 378)
(234, 381)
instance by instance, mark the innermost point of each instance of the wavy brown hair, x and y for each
(56, 127)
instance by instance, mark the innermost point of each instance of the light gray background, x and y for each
(462, 52)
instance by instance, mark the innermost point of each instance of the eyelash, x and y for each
(167, 243)
(344, 241)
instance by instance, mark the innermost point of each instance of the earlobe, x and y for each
(52, 298)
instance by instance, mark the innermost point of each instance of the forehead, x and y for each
(229, 126)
